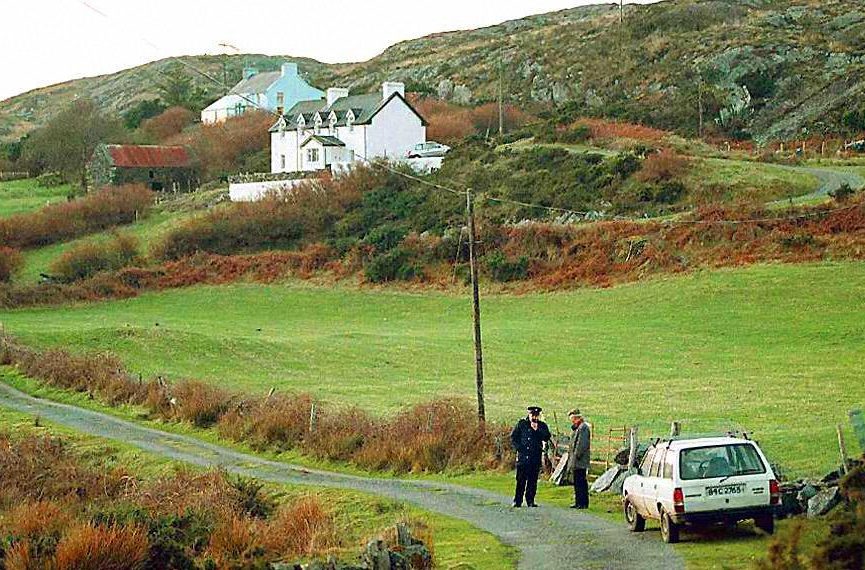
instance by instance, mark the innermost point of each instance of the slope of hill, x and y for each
(763, 68)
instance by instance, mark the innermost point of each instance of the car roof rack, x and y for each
(730, 433)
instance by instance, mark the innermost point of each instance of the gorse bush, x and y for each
(88, 259)
(95, 212)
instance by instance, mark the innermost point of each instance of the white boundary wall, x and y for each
(255, 191)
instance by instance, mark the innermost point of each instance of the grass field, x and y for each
(19, 196)
(358, 516)
(774, 349)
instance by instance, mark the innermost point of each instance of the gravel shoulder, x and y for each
(548, 537)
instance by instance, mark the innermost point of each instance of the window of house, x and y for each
(312, 155)
(280, 102)
(282, 161)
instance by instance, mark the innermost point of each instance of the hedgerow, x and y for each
(88, 259)
(95, 212)
(433, 437)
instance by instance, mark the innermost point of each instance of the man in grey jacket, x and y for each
(579, 455)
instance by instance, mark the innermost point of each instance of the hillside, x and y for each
(770, 69)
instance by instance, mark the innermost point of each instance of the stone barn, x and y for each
(165, 168)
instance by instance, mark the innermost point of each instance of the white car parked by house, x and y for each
(699, 482)
(428, 149)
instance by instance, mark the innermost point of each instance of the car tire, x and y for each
(636, 522)
(669, 529)
(766, 523)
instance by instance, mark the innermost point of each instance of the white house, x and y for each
(341, 128)
(272, 91)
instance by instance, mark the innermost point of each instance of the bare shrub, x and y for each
(169, 123)
(236, 542)
(11, 261)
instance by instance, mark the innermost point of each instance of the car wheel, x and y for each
(636, 522)
(669, 529)
(766, 523)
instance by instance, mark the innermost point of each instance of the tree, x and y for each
(142, 111)
(177, 89)
(67, 142)
(167, 124)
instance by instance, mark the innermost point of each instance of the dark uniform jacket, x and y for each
(528, 443)
(580, 449)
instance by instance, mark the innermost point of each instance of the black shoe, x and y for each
(573, 507)
(532, 505)
(515, 506)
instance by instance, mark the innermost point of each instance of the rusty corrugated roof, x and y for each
(149, 156)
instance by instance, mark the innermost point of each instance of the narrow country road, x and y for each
(830, 180)
(548, 537)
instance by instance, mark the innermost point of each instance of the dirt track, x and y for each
(547, 537)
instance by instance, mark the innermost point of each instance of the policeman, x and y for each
(528, 439)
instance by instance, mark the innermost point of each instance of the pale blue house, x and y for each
(273, 91)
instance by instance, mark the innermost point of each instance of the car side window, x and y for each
(647, 462)
(657, 462)
(418, 146)
(668, 465)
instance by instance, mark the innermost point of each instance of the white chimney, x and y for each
(289, 69)
(335, 94)
(388, 88)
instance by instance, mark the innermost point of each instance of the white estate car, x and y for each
(428, 149)
(701, 481)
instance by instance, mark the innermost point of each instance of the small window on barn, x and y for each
(151, 174)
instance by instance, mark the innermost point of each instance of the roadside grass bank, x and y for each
(759, 348)
(356, 516)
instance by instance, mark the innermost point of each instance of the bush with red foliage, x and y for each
(221, 148)
(607, 129)
(96, 212)
(285, 220)
(169, 123)
(662, 166)
(90, 258)
(92, 547)
(11, 261)
(450, 123)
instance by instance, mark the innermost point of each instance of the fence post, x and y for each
(675, 429)
(842, 448)
(312, 418)
(632, 454)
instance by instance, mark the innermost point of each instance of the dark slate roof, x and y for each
(324, 140)
(364, 108)
(149, 156)
(258, 83)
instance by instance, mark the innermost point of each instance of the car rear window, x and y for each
(720, 461)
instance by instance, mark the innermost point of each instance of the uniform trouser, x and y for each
(527, 483)
(581, 488)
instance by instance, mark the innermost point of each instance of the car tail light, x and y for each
(679, 500)
(774, 492)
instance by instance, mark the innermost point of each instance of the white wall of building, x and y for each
(284, 144)
(254, 191)
(394, 131)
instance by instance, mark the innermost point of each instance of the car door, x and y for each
(641, 488)
(656, 487)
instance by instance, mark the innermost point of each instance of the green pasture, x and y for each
(21, 196)
(774, 349)
(724, 180)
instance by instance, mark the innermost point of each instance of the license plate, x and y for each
(725, 490)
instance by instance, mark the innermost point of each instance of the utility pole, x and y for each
(476, 309)
(621, 11)
(700, 102)
(501, 101)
